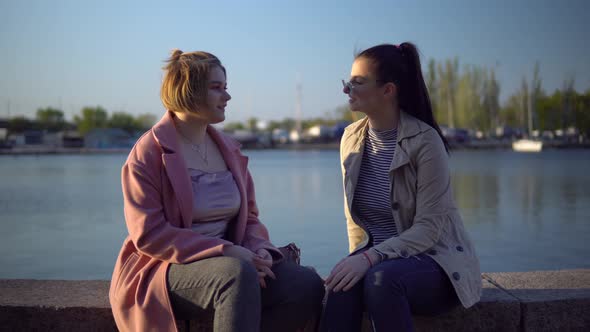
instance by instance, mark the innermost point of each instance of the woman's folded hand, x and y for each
(262, 260)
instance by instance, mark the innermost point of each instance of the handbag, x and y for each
(291, 253)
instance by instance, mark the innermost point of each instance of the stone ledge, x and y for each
(528, 301)
(496, 311)
(549, 300)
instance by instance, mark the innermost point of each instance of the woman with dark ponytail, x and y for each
(410, 253)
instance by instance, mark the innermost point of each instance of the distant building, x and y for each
(508, 132)
(72, 139)
(52, 139)
(455, 135)
(28, 137)
(3, 129)
(280, 136)
(33, 137)
(261, 125)
(338, 129)
(108, 138)
(319, 132)
(294, 136)
(4, 142)
(247, 138)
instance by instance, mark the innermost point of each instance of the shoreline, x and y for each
(476, 145)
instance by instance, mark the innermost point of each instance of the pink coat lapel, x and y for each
(238, 165)
(180, 180)
(165, 134)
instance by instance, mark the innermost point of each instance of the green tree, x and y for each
(308, 123)
(231, 126)
(288, 124)
(432, 85)
(468, 97)
(343, 113)
(582, 112)
(524, 100)
(448, 80)
(548, 111)
(568, 102)
(253, 124)
(91, 118)
(491, 96)
(123, 121)
(514, 112)
(535, 94)
(19, 124)
(145, 121)
(50, 119)
(509, 114)
(273, 124)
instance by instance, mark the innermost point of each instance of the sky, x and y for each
(72, 54)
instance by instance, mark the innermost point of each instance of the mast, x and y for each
(299, 97)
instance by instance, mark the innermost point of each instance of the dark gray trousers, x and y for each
(228, 289)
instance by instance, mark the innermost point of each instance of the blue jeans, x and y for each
(390, 293)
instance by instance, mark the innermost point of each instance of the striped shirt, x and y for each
(372, 200)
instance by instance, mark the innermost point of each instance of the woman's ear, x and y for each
(390, 90)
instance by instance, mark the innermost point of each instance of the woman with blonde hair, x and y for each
(195, 244)
(410, 253)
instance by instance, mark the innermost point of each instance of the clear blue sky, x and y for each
(70, 54)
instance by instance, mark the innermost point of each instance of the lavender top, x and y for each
(216, 201)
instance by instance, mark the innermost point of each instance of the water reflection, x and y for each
(476, 196)
(62, 216)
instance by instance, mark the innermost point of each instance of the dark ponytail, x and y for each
(400, 64)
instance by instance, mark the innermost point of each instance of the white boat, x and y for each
(527, 145)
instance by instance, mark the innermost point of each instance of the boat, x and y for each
(527, 145)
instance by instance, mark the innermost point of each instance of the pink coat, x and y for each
(158, 209)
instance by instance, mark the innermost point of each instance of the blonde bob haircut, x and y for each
(185, 82)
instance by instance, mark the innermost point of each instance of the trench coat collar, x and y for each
(354, 142)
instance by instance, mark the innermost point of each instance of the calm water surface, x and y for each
(61, 217)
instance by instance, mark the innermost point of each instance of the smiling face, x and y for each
(366, 93)
(217, 97)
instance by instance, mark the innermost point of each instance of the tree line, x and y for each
(462, 97)
(52, 120)
(469, 98)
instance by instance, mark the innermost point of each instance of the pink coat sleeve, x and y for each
(148, 228)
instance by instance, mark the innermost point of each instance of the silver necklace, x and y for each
(203, 153)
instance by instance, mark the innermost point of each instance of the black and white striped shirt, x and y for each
(372, 202)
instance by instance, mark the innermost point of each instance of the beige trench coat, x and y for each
(422, 204)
